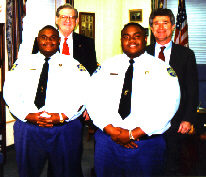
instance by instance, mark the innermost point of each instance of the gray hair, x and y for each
(66, 6)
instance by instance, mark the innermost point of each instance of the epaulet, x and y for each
(13, 67)
(98, 68)
(171, 72)
(81, 67)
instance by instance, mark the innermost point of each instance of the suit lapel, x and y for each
(151, 49)
(76, 44)
(174, 55)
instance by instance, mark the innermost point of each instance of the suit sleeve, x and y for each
(92, 62)
(84, 52)
(191, 88)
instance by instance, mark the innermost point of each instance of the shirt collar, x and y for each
(136, 58)
(168, 46)
(70, 37)
(53, 56)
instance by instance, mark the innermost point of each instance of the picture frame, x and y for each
(87, 24)
(70, 2)
(135, 15)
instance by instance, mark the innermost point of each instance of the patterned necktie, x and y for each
(161, 54)
(65, 49)
(41, 90)
(125, 101)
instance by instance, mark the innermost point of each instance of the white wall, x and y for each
(110, 17)
(38, 14)
(2, 11)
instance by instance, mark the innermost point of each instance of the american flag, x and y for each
(181, 32)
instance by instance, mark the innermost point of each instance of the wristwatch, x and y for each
(130, 135)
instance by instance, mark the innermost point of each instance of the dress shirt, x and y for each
(167, 51)
(69, 42)
(64, 88)
(155, 94)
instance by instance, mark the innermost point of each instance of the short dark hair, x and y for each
(49, 27)
(161, 12)
(134, 24)
(66, 6)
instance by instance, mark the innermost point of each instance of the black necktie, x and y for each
(161, 54)
(41, 90)
(125, 101)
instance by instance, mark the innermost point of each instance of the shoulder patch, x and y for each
(171, 72)
(98, 68)
(13, 67)
(81, 67)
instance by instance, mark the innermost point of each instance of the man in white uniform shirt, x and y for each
(132, 145)
(51, 131)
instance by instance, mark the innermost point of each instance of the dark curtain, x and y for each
(16, 10)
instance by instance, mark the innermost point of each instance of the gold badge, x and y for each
(146, 72)
(81, 67)
(171, 72)
(126, 91)
(60, 65)
(13, 67)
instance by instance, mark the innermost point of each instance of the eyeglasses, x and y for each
(65, 18)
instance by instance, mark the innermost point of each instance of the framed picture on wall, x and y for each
(70, 2)
(87, 24)
(135, 15)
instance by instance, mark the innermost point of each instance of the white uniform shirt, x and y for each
(65, 88)
(155, 94)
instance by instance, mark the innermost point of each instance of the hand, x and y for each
(44, 119)
(120, 136)
(123, 138)
(33, 117)
(48, 119)
(86, 115)
(184, 127)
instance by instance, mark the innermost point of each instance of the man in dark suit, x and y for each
(182, 59)
(82, 48)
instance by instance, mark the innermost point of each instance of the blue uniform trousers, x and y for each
(61, 145)
(112, 159)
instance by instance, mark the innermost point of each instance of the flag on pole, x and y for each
(181, 32)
